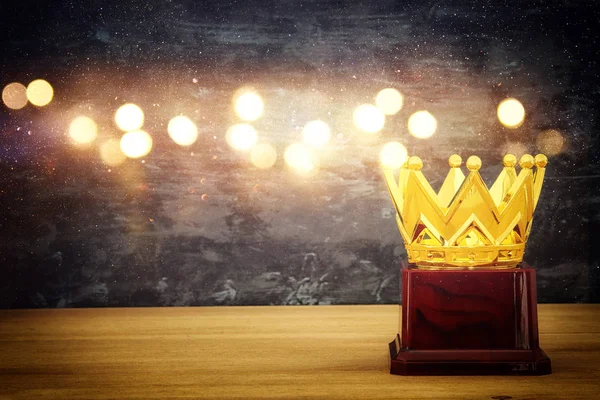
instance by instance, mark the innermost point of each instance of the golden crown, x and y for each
(465, 225)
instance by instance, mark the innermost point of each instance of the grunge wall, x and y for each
(202, 226)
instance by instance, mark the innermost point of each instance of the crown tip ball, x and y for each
(455, 161)
(415, 163)
(526, 161)
(509, 160)
(541, 161)
(474, 163)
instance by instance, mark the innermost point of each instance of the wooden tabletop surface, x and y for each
(262, 352)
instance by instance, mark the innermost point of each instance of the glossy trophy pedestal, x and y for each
(468, 322)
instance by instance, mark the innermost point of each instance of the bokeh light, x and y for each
(14, 96)
(263, 156)
(389, 101)
(316, 133)
(111, 153)
(182, 130)
(248, 105)
(129, 117)
(368, 118)
(393, 155)
(301, 158)
(40, 93)
(136, 144)
(550, 142)
(241, 137)
(511, 113)
(83, 130)
(422, 124)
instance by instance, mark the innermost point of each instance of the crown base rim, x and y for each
(464, 268)
(476, 257)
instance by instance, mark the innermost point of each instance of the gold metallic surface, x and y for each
(526, 161)
(455, 161)
(474, 163)
(541, 161)
(415, 163)
(465, 225)
(510, 160)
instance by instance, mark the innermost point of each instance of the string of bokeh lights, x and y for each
(249, 107)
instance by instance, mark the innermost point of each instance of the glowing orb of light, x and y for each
(511, 113)
(40, 93)
(249, 106)
(110, 152)
(182, 130)
(393, 155)
(14, 96)
(422, 124)
(241, 137)
(129, 117)
(389, 101)
(550, 142)
(263, 156)
(83, 130)
(316, 133)
(368, 118)
(301, 158)
(136, 144)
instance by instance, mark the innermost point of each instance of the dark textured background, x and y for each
(74, 234)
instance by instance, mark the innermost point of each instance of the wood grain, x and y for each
(262, 352)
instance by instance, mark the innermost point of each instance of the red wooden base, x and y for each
(468, 323)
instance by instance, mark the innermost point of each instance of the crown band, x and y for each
(438, 257)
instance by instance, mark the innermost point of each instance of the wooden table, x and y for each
(272, 352)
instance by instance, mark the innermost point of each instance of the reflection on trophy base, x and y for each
(477, 322)
(467, 362)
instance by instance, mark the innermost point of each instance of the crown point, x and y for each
(474, 163)
(415, 163)
(509, 160)
(541, 161)
(455, 160)
(526, 161)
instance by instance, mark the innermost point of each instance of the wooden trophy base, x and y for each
(458, 322)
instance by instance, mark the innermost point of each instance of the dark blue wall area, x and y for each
(201, 225)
